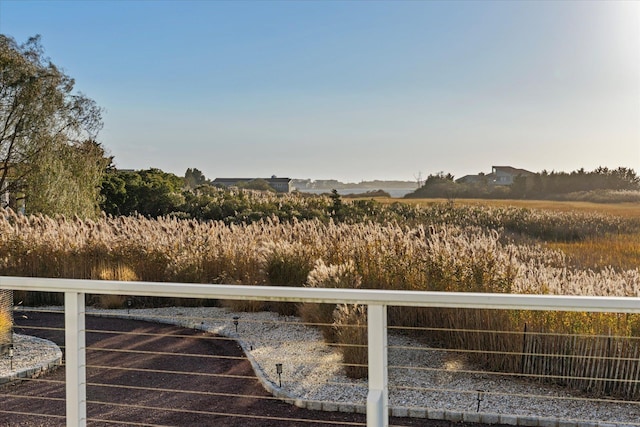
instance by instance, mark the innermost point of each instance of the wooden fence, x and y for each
(600, 365)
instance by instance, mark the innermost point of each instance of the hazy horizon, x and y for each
(353, 91)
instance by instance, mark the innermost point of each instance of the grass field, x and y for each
(618, 251)
(625, 210)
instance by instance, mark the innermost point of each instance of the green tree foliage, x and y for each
(337, 207)
(151, 193)
(44, 129)
(66, 179)
(439, 185)
(193, 178)
(114, 193)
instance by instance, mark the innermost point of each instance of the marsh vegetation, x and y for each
(366, 244)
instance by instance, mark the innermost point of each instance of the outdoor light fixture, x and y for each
(235, 322)
(279, 372)
(129, 303)
(11, 357)
(480, 398)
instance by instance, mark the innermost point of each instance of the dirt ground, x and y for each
(118, 397)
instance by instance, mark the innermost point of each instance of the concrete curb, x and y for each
(31, 373)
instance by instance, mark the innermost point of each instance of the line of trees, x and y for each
(154, 193)
(602, 184)
(602, 178)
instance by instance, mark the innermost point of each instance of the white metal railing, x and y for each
(376, 300)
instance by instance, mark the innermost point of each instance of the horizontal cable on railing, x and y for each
(163, 353)
(344, 384)
(194, 321)
(523, 395)
(31, 414)
(40, 379)
(205, 393)
(212, 337)
(518, 333)
(164, 371)
(181, 391)
(347, 345)
(38, 328)
(20, 309)
(26, 396)
(513, 353)
(141, 315)
(512, 374)
(352, 365)
(228, 414)
(126, 423)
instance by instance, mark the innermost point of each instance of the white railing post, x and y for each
(75, 359)
(378, 398)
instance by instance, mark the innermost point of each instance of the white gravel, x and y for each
(312, 370)
(29, 355)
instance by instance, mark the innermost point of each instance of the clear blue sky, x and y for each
(352, 90)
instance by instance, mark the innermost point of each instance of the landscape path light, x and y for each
(11, 357)
(480, 398)
(279, 372)
(235, 322)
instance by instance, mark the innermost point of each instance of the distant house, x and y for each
(474, 179)
(281, 185)
(506, 175)
(500, 175)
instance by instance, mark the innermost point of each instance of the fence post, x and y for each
(378, 398)
(75, 359)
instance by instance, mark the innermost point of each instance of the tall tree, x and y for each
(194, 178)
(40, 117)
(67, 179)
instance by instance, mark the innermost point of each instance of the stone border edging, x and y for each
(37, 370)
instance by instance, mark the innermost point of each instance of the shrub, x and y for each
(350, 325)
(328, 276)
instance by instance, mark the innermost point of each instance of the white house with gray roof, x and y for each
(500, 175)
(281, 185)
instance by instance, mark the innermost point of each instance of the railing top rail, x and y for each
(326, 295)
